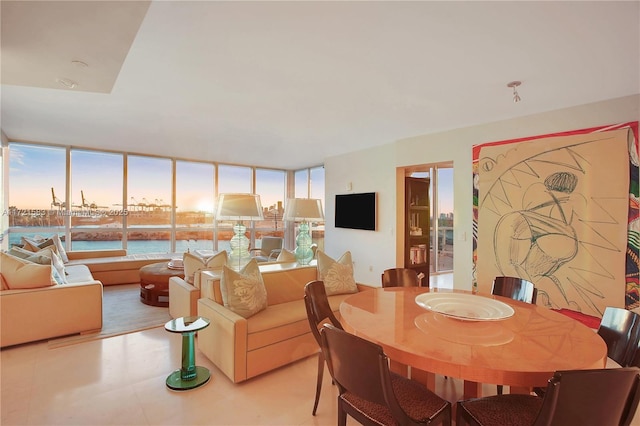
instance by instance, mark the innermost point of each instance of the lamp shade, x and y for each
(239, 207)
(303, 209)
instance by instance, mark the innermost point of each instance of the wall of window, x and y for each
(309, 183)
(145, 204)
(195, 200)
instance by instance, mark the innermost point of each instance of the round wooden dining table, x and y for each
(521, 351)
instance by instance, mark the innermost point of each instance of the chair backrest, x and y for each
(515, 288)
(318, 308)
(620, 330)
(269, 244)
(591, 397)
(361, 368)
(400, 277)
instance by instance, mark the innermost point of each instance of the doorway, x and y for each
(441, 229)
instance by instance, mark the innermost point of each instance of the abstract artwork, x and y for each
(560, 211)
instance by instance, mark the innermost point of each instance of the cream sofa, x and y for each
(28, 315)
(115, 266)
(243, 348)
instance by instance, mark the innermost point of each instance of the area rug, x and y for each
(122, 313)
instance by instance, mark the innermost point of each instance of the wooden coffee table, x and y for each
(154, 283)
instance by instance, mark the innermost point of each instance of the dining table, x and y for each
(479, 338)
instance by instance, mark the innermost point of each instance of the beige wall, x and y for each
(375, 170)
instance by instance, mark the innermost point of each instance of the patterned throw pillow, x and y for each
(194, 264)
(34, 244)
(20, 274)
(243, 292)
(286, 256)
(337, 275)
(60, 247)
(20, 252)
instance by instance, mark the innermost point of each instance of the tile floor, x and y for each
(121, 381)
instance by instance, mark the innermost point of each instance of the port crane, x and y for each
(92, 206)
(57, 202)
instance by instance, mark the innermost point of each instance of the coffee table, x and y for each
(154, 283)
(190, 376)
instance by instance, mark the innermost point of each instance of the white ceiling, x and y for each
(286, 84)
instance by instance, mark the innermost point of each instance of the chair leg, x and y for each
(319, 383)
(342, 414)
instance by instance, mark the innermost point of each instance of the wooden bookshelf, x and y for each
(417, 216)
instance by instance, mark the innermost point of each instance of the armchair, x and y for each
(269, 250)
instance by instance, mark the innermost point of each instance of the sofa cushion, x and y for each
(193, 264)
(283, 321)
(243, 292)
(21, 274)
(337, 275)
(76, 274)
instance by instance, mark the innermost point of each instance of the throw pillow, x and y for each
(58, 265)
(243, 292)
(286, 256)
(60, 247)
(21, 274)
(30, 243)
(36, 243)
(20, 252)
(337, 275)
(42, 256)
(194, 264)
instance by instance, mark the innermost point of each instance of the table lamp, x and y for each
(239, 207)
(303, 210)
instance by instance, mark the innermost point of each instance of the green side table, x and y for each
(189, 376)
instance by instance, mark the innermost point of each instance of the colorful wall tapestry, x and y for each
(561, 211)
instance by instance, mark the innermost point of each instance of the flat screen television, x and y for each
(356, 211)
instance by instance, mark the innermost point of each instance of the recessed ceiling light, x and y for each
(67, 83)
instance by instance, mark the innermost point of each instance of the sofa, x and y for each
(115, 266)
(31, 314)
(243, 348)
(44, 312)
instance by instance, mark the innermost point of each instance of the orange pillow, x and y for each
(21, 274)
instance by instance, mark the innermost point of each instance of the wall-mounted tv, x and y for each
(356, 211)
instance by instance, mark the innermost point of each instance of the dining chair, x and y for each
(575, 397)
(318, 312)
(369, 392)
(515, 288)
(620, 330)
(400, 277)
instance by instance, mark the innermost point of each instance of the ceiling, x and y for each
(287, 84)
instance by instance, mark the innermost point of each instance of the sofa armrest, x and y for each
(183, 298)
(91, 254)
(224, 342)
